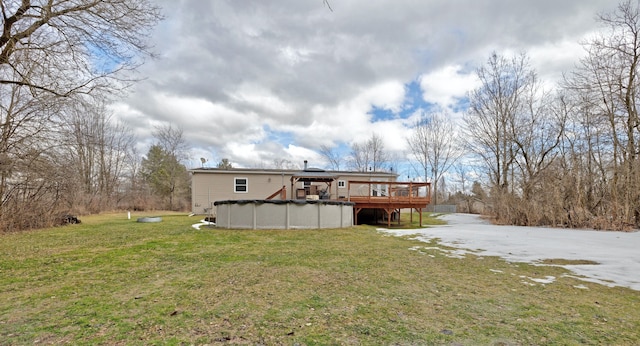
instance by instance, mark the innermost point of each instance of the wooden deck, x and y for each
(389, 196)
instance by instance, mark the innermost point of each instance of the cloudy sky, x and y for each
(256, 81)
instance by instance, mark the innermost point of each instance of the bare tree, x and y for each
(26, 125)
(607, 80)
(379, 156)
(492, 114)
(586, 153)
(492, 120)
(537, 132)
(28, 147)
(434, 144)
(137, 191)
(164, 163)
(326, 2)
(65, 47)
(370, 155)
(359, 159)
(332, 156)
(462, 173)
(54, 54)
(284, 164)
(97, 147)
(171, 139)
(620, 44)
(225, 164)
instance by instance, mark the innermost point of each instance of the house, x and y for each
(209, 185)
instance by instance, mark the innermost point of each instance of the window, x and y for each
(342, 183)
(240, 185)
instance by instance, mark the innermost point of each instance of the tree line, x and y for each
(565, 157)
(569, 156)
(61, 150)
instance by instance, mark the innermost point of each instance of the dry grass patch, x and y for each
(115, 281)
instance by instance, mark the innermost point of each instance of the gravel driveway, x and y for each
(618, 253)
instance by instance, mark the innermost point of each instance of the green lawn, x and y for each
(111, 280)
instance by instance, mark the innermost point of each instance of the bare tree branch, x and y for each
(326, 2)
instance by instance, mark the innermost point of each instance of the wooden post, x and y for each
(388, 211)
(355, 215)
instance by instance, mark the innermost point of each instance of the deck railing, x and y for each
(389, 192)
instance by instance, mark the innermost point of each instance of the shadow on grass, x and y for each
(412, 221)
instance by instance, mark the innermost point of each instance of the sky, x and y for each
(259, 81)
(615, 256)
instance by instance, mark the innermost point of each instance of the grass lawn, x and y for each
(111, 281)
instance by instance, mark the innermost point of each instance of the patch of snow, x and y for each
(203, 223)
(546, 280)
(451, 253)
(616, 252)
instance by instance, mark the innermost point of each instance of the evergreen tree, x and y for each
(166, 176)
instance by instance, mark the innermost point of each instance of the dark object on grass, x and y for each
(69, 219)
(150, 219)
(210, 219)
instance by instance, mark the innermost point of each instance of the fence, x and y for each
(442, 208)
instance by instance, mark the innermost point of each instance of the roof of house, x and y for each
(309, 171)
(314, 174)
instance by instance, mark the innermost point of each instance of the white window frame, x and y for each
(236, 185)
(342, 184)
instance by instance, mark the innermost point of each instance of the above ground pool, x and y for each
(283, 214)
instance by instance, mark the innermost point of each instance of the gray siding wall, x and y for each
(208, 188)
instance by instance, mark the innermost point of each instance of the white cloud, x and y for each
(299, 154)
(387, 95)
(262, 100)
(350, 121)
(446, 86)
(231, 70)
(294, 56)
(551, 59)
(243, 152)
